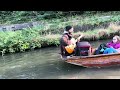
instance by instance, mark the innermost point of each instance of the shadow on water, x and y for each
(46, 64)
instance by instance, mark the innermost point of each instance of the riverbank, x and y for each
(82, 22)
(17, 17)
(29, 39)
(94, 27)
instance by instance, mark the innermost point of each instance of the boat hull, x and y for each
(95, 60)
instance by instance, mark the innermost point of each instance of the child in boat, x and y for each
(113, 46)
(67, 42)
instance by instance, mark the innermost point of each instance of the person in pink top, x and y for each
(113, 46)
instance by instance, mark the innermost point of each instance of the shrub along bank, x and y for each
(29, 39)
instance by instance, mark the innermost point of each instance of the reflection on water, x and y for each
(46, 64)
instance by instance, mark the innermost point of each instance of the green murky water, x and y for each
(46, 64)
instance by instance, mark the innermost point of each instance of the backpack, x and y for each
(82, 49)
(101, 49)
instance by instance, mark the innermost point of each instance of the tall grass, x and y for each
(58, 24)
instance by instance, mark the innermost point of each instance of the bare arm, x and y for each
(78, 39)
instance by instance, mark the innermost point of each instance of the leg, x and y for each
(114, 50)
(106, 51)
(93, 51)
(89, 51)
(76, 51)
(109, 50)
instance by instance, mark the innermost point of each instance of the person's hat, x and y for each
(67, 28)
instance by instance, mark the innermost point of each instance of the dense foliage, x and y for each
(26, 16)
(31, 38)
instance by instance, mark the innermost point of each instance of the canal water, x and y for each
(46, 64)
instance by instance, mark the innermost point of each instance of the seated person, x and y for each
(67, 42)
(113, 46)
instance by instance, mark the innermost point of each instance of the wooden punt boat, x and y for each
(101, 60)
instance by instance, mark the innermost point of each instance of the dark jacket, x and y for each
(101, 49)
(65, 41)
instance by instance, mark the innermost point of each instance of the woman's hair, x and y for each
(118, 38)
(67, 28)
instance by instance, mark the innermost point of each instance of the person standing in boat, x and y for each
(67, 42)
(113, 46)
